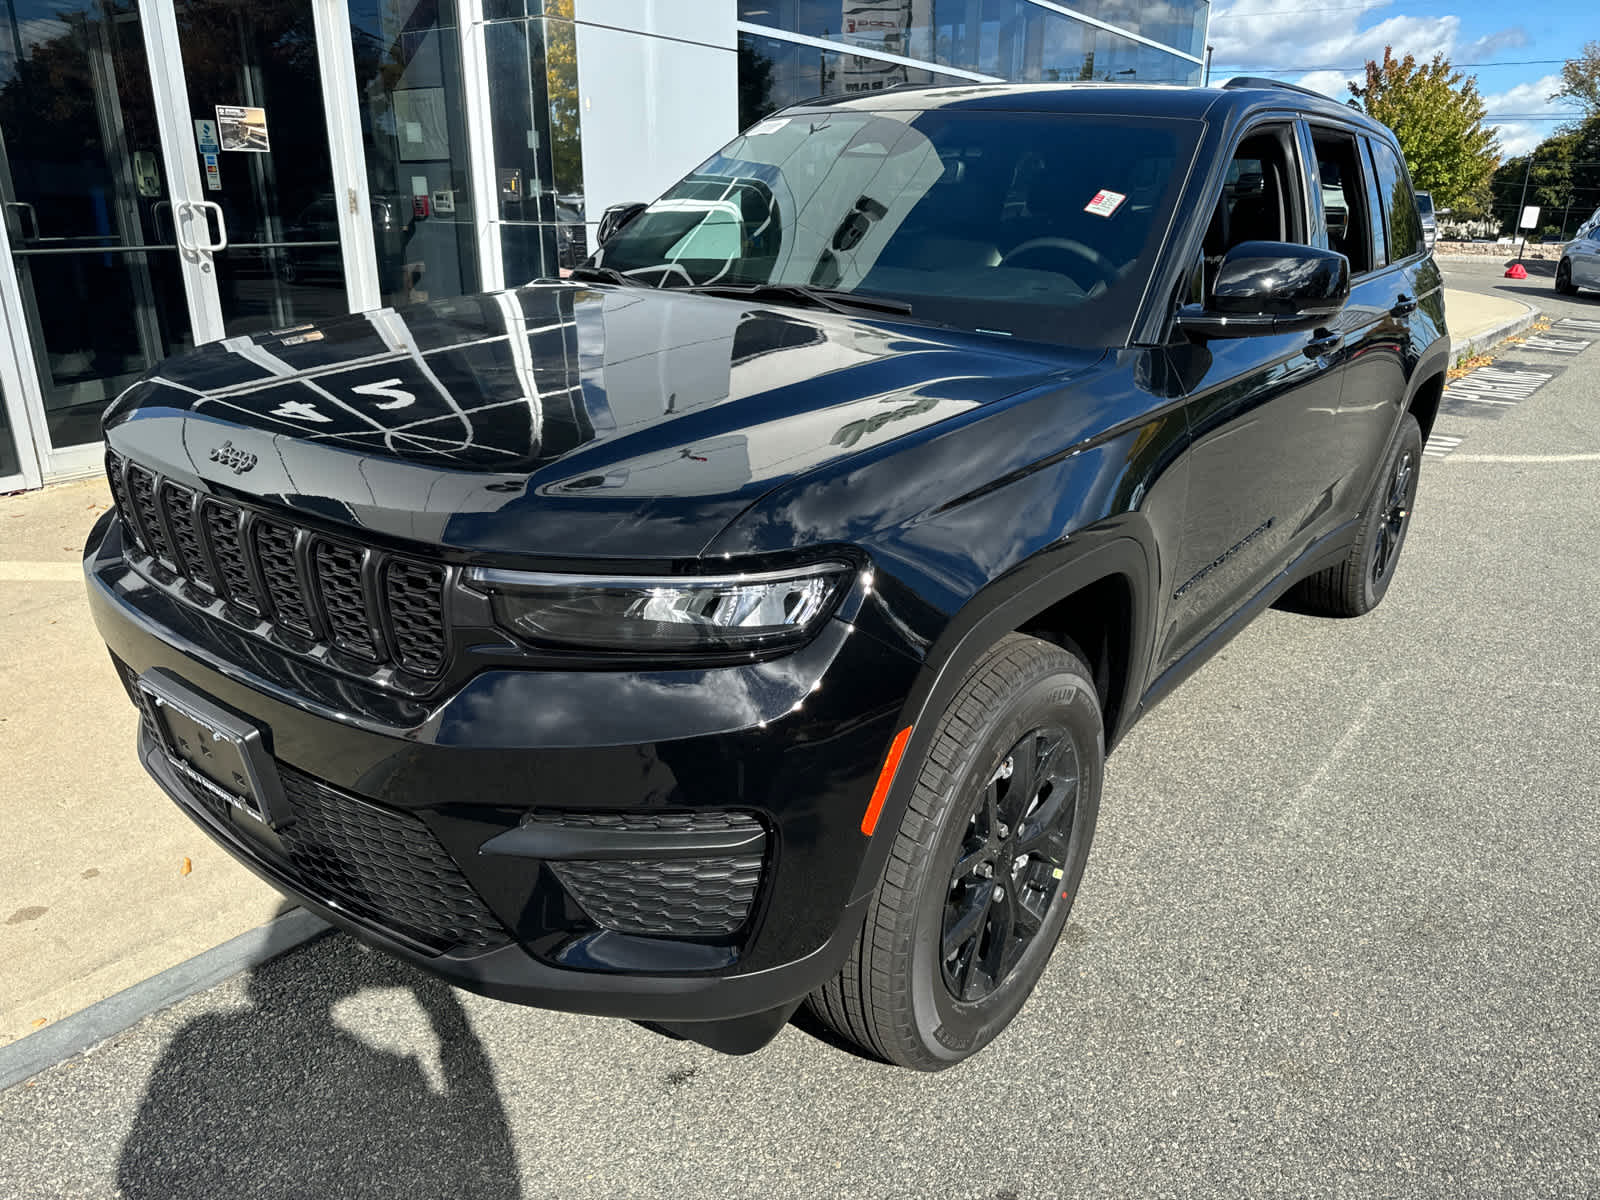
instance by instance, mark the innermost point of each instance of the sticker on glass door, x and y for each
(243, 128)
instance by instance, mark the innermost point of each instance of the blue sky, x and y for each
(1322, 43)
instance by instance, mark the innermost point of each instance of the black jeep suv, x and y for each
(744, 621)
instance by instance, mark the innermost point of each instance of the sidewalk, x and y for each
(93, 894)
(1478, 322)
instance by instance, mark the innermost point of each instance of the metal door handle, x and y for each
(1404, 306)
(183, 210)
(1319, 347)
(222, 226)
(24, 206)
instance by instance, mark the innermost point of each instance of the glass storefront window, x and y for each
(413, 125)
(1007, 38)
(775, 73)
(538, 148)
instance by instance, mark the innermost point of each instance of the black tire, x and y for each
(1356, 586)
(1564, 283)
(896, 996)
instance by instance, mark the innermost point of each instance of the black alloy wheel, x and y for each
(1010, 864)
(1394, 518)
(984, 862)
(1564, 283)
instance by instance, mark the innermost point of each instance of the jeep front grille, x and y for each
(374, 608)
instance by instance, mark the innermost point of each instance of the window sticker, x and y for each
(1104, 203)
(243, 128)
(771, 126)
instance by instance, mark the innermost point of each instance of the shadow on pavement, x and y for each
(285, 1098)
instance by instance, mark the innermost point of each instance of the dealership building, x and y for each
(177, 172)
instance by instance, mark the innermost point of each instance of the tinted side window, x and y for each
(1261, 197)
(1399, 203)
(1344, 197)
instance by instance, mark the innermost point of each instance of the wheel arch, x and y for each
(1057, 596)
(1425, 401)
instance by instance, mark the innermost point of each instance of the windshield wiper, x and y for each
(604, 275)
(801, 293)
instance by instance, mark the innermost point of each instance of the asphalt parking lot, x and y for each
(1337, 938)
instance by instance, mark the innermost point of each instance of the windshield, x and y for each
(1025, 224)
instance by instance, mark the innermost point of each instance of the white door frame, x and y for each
(341, 106)
(13, 355)
(480, 144)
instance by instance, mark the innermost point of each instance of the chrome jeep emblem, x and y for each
(230, 456)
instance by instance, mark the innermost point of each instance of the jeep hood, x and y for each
(557, 420)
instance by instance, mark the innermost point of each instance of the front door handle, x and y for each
(1324, 344)
(22, 206)
(222, 226)
(1404, 306)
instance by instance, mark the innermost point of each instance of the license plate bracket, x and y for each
(215, 748)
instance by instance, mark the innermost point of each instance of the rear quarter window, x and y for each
(1400, 217)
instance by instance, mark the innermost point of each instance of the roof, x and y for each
(1231, 99)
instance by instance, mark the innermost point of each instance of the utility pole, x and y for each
(1207, 81)
(1523, 203)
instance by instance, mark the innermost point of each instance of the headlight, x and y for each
(669, 613)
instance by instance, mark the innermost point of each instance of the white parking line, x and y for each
(1497, 385)
(1525, 458)
(1554, 345)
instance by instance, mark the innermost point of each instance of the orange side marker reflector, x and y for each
(891, 763)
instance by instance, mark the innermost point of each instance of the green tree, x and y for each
(561, 81)
(1563, 180)
(1438, 117)
(1580, 79)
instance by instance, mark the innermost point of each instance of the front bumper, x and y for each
(437, 828)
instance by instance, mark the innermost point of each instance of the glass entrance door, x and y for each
(171, 172)
(88, 214)
(270, 213)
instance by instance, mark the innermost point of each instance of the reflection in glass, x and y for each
(1008, 38)
(538, 150)
(774, 73)
(1399, 202)
(86, 205)
(546, 251)
(408, 73)
(974, 219)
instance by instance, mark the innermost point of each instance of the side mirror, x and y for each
(1271, 287)
(615, 217)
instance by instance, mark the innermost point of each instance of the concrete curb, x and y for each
(28, 1056)
(1486, 339)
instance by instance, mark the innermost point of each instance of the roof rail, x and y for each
(1261, 81)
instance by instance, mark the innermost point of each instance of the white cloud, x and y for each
(1527, 100)
(1305, 37)
(1330, 83)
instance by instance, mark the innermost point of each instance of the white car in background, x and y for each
(1580, 259)
(1430, 224)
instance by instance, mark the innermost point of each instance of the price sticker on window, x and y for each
(1104, 203)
